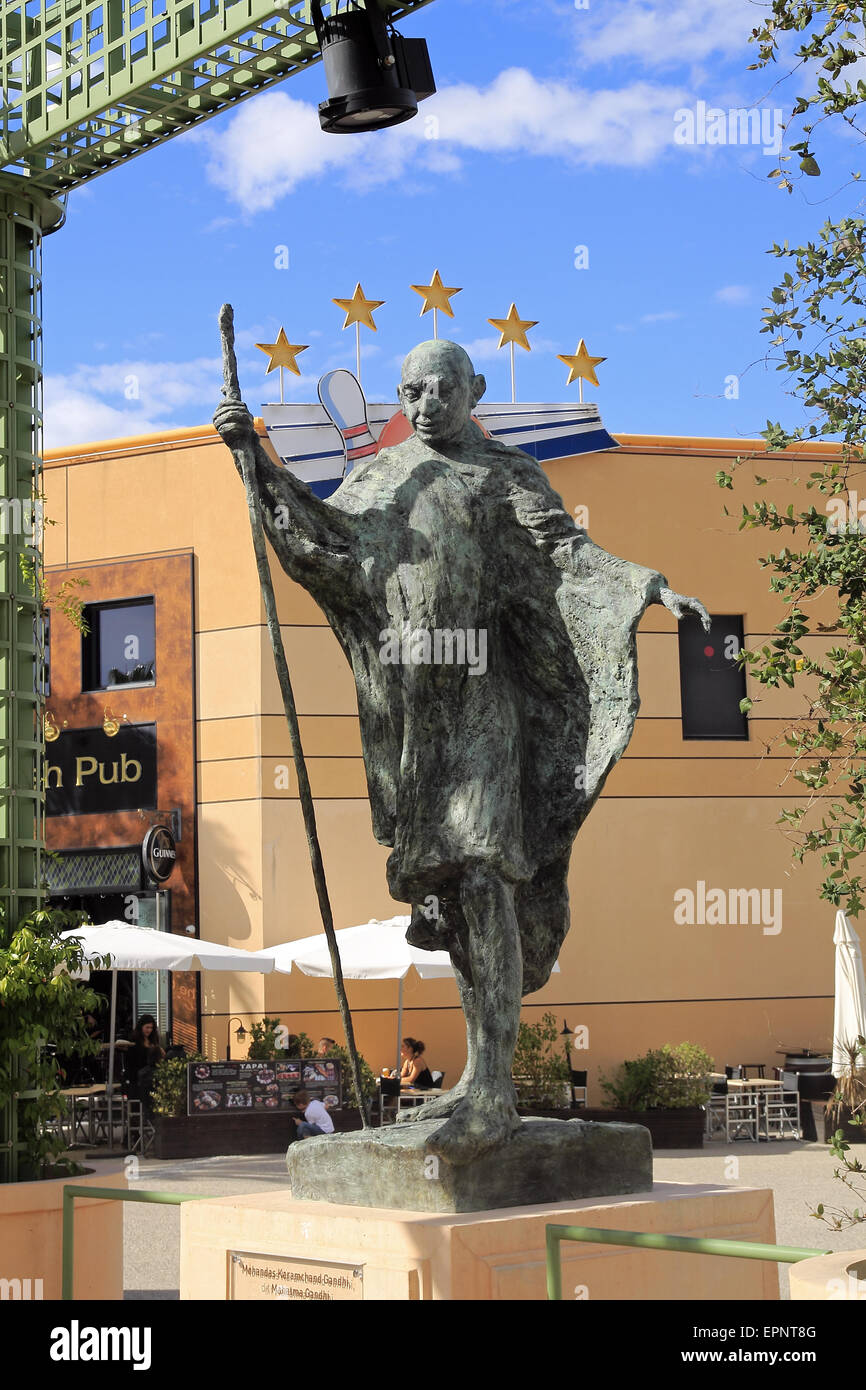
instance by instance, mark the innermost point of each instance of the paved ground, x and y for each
(801, 1176)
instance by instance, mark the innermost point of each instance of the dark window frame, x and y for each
(736, 625)
(90, 644)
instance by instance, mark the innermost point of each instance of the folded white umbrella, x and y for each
(141, 948)
(377, 950)
(849, 1014)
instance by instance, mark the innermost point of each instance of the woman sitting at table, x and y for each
(415, 1071)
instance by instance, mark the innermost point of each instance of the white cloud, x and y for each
(663, 317)
(73, 416)
(113, 400)
(733, 294)
(274, 143)
(662, 35)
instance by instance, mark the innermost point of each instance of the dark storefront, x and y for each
(120, 770)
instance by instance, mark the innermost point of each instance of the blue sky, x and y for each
(553, 128)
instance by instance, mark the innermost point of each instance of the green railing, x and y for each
(110, 1194)
(554, 1235)
(650, 1240)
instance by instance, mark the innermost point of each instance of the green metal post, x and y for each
(107, 1194)
(654, 1240)
(554, 1263)
(25, 217)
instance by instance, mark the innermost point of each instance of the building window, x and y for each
(119, 647)
(711, 683)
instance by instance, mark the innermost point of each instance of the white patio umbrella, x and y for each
(141, 948)
(376, 950)
(849, 1014)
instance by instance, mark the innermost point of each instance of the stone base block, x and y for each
(271, 1246)
(547, 1161)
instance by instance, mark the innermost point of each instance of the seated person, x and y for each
(316, 1118)
(415, 1071)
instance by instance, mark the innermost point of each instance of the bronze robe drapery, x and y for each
(497, 764)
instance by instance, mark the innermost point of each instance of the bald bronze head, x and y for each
(439, 389)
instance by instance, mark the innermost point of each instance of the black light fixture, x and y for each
(240, 1034)
(375, 79)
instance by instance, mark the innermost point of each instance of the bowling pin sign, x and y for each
(343, 400)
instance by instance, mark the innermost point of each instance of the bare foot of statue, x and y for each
(481, 1120)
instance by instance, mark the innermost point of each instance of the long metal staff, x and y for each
(232, 393)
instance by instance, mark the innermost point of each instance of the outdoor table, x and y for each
(765, 1089)
(412, 1097)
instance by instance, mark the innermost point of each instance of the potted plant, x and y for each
(845, 1111)
(42, 1008)
(542, 1075)
(665, 1090)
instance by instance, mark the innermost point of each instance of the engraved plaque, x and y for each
(255, 1277)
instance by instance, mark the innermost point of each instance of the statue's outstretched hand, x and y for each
(679, 605)
(234, 423)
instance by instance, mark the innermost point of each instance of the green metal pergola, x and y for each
(86, 85)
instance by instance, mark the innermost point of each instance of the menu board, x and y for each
(247, 1088)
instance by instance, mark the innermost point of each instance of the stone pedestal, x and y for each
(271, 1245)
(830, 1277)
(547, 1161)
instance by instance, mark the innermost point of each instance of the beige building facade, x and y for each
(678, 816)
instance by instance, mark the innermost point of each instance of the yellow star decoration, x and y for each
(358, 309)
(513, 329)
(283, 353)
(581, 365)
(436, 295)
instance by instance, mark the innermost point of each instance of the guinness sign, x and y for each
(158, 853)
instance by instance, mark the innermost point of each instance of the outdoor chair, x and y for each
(717, 1113)
(106, 1116)
(389, 1087)
(782, 1114)
(578, 1083)
(139, 1128)
(743, 1115)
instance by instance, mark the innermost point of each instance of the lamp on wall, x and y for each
(111, 724)
(240, 1034)
(566, 1033)
(50, 727)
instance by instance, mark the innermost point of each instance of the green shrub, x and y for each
(672, 1077)
(263, 1041)
(540, 1069)
(41, 1003)
(168, 1096)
